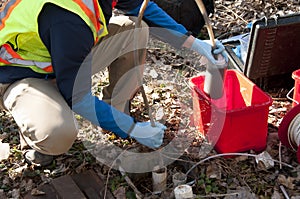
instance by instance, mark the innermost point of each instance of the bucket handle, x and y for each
(288, 96)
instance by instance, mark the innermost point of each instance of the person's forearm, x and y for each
(162, 25)
(157, 17)
(107, 117)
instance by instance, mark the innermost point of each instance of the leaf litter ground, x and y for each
(166, 83)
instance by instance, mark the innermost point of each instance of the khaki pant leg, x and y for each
(46, 122)
(117, 52)
(3, 88)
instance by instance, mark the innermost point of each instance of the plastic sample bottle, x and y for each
(214, 77)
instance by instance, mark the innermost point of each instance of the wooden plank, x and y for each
(66, 188)
(49, 191)
(91, 185)
(78, 186)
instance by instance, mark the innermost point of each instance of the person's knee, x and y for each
(65, 138)
(59, 141)
(46, 122)
(125, 23)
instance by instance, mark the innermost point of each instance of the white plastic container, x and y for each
(159, 179)
(183, 192)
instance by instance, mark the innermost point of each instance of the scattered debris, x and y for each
(4, 151)
(166, 83)
(36, 192)
(265, 159)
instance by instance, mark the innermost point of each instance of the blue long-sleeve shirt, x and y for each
(154, 16)
(67, 57)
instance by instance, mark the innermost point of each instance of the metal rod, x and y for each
(207, 22)
(138, 25)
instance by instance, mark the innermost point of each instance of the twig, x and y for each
(110, 168)
(246, 22)
(225, 13)
(147, 189)
(284, 192)
(107, 178)
(245, 183)
(279, 98)
(217, 195)
(138, 194)
(279, 154)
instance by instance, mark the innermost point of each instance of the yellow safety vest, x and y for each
(20, 44)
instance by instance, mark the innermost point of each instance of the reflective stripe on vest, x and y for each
(37, 57)
(91, 9)
(9, 56)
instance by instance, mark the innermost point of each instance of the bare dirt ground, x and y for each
(167, 74)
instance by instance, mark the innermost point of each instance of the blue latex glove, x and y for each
(147, 135)
(204, 47)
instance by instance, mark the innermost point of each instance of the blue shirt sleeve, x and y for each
(163, 26)
(156, 16)
(100, 113)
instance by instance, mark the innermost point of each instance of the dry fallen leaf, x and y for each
(120, 193)
(159, 113)
(213, 171)
(287, 182)
(153, 74)
(230, 18)
(36, 192)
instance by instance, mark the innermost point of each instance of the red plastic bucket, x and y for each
(296, 95)
(238, 121)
